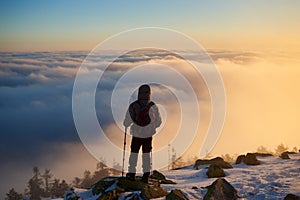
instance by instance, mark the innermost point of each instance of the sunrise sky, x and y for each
(254, 44)
(77, 25)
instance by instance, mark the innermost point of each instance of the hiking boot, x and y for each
(130, 176)
(145, 177)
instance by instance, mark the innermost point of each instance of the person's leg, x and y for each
(135, 147)
(146, 148)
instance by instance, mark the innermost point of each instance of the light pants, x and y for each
(136, 144)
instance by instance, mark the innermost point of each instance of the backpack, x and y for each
(142, 117)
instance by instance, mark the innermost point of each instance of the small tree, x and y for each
(99, 174)
(173, 158)
(13, 195)
(63, 188)
(295, 149)
(116, 168)
(34, 185)
(58, 188)
(280, 149)
(76, 182)
(262, 149)
(47, 176)
(87, 179)
(179, 162)
(228, 158)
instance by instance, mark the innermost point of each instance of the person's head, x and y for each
(144, 92)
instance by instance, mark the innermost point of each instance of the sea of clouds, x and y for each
(36, 121)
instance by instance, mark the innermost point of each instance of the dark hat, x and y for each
(144, 92)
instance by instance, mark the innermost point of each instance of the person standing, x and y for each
(143, 117)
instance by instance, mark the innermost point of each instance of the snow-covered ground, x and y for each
(273, 179)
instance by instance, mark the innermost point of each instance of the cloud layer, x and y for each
(36, 102)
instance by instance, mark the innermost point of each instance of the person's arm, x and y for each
(128, 117)
(157, 116)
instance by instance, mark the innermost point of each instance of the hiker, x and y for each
(144, 118)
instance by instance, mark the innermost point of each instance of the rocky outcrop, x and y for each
(71, 195)
(161, 178)
(284, 155)
(263, 154)
(215, 171)
(103, 184)
(149, 192)
(176, 195)
(109, 195)
(240, 159)
(221, 190)
(216, 161)
(249, 159)
(291, 197)
(111, 188)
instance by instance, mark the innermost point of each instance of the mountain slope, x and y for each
(273, 179)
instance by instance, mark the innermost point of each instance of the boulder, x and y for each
(110, 195)
(149, 192)
(162, 179)
(249, 159)
(291, 152)
(291, 197)
(71, 195)
(263, 154)
(284, 155)
(215, 171)
(217, 161)
(240, 159)
(132, 196)
(103, 184)
(176, 195)
(157, 175)
(221, 190)
(112, 188)
(130, 185)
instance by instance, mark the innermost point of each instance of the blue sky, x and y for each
(75, 25)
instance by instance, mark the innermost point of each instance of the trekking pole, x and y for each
(151, 170)
(124, 151)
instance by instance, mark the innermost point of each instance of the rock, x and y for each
(291, 197)
(159, 176)
(195, 188)
(217, 161)
(103, 184)
(112, 188)
(284, 155)
(71, 195)
(149, 192)
(249, 159)
(176, 195)
(110, 195)
(215, 171)
(221, 190)
(263, 154)
(240, 159)
(129, 185)
(291, 152)
(132, 196)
